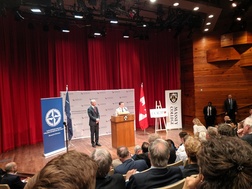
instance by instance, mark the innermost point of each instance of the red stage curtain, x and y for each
(35, 64)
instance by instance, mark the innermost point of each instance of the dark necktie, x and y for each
(231, 103)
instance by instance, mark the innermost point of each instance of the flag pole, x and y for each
(66, 127)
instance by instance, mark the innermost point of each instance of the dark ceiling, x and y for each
(134, 13)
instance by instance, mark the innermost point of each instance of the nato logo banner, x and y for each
(52, 124)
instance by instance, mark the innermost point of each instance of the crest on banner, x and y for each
(173, 97)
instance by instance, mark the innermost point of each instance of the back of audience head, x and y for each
(196, 121)
(225, 129)
(73, 170)
(104, 161)
(247, 125)
(211, 132)
(145, 147)
(183, 135)
(159, 153)
(170, 143)
(227, 164)
(11, 167)
(123, 152)
(138, 149)
(192, 146)
(152, 137)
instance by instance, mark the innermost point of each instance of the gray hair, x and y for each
(137, 148)
(122, 152)
(248, 122)
(159, 153)
(9, 167)
(104, 161)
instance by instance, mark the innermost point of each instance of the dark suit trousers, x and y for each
(94, 130)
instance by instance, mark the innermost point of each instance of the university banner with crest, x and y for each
(173, 106)
(52, 125)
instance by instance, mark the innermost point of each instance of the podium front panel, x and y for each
(122, 131)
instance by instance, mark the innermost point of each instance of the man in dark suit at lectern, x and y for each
(230, 107)
(94, 119)
(209, 112)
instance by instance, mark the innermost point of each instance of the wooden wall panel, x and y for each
(212, 81)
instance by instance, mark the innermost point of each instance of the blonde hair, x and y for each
(196, 121)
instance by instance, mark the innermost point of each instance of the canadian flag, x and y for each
(143, 119)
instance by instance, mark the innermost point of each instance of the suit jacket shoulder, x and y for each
(114, 181)
(13, 181)
(155, 177)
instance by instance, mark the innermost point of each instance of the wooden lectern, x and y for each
(122, 130)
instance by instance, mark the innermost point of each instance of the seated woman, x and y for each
(227, 165)
(192, 145)
(199, 129)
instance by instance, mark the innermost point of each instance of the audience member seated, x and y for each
(127, 162)
(192, 146)
(181, 153)
(11, 178)
(103, 159)
(172, 151)
(227, 165)
(240, 128)
(144, 154)
(137, 150)
(72, 170)
(145, 147)
(211, 132)
(2, 172)
(199, 130)
(159, 174)
(247, 130)
(152, 137)
(225, 129)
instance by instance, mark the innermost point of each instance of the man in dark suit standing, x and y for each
(11, 178)
(159, 175)
(94, 119)
(209, 112)
(230, 107)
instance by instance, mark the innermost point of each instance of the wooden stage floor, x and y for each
(30, 159)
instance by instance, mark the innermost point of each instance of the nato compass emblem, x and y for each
(173, 97)
(53, 117)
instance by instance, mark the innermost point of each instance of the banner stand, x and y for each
(52, 126)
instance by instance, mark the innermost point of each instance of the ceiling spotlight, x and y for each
(78, 15)
(234, 5)
(206, 29)
(208, 23)
(35, 10)
(211, 16)
(65, 29)
(152, 1)
(97, 33)
(175, 4)
(196, 8)
(238, 18)
(126, 34)
(113, 21)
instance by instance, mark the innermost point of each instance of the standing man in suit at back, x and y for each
(209, 112)
(94, 119)
(230, 107)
